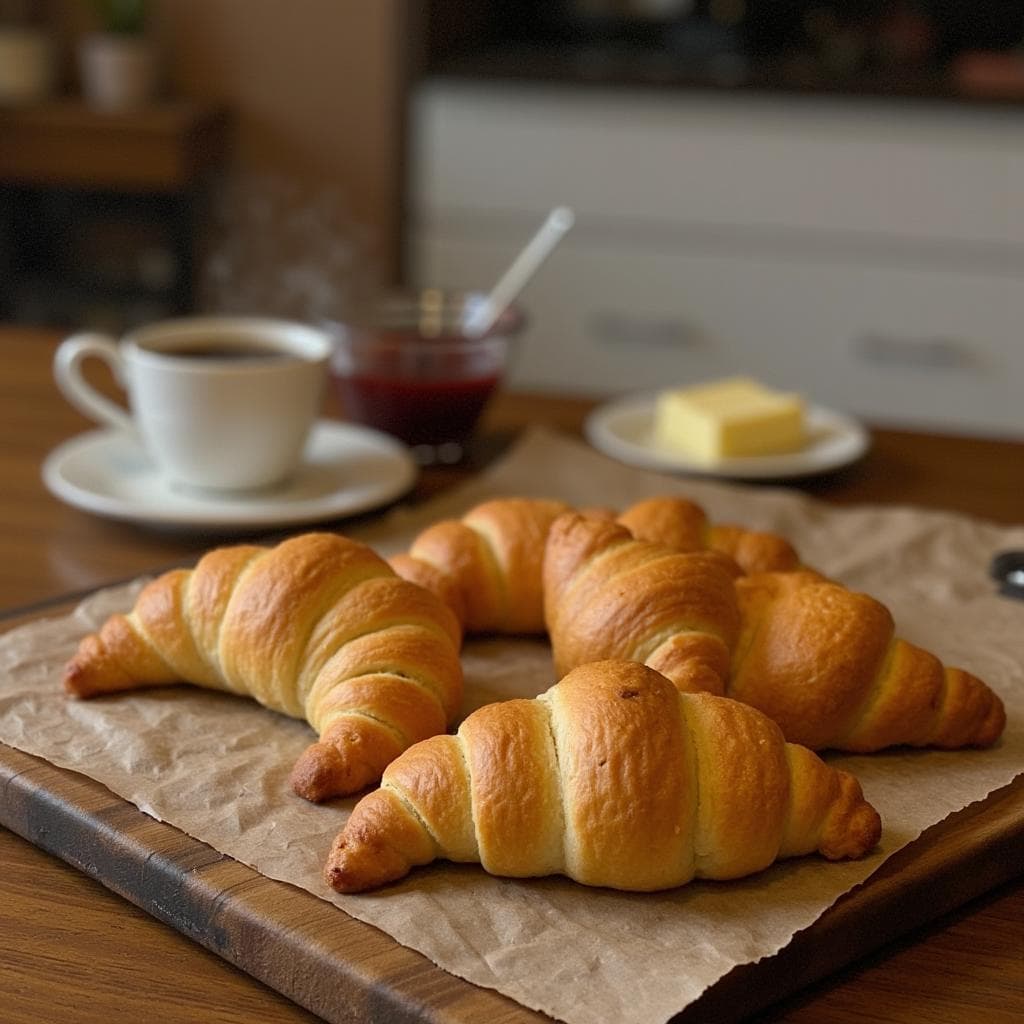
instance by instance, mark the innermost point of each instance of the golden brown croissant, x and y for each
(825, 663)
(612, 778)
(819, 659)
(609, 596)
(487, 566)
(318, 627)
(683, 524)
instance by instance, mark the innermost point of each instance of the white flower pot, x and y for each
(118, 72)
(27, 66)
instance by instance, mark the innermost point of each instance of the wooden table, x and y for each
(70, 950)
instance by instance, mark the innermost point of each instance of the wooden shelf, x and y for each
(165, 147)
(84, 188)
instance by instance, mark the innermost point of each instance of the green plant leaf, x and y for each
(126, 17)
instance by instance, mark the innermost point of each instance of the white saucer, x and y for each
(624, 430)
(346, 469)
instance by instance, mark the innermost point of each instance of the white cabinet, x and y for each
(870, 255)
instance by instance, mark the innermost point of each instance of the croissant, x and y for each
(825, 663)
(608, 596)
(318, 627)
(613, 778)
(683, 524)
(488, 566)
(820, 660)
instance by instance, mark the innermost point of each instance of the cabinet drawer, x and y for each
(922, 174)
(924, 347)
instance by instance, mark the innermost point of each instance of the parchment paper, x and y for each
(216, 766)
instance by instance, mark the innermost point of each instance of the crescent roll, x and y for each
(488, 565)
(821, 660)
(318, 627)
(683, 524)
(612, 778)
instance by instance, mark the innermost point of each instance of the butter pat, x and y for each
(729, 418)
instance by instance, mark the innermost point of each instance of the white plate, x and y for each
(346, 469)
(624, 430)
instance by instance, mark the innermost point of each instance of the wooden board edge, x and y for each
(955, 861)
(217, 901)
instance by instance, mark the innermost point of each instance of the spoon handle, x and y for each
(523, 267)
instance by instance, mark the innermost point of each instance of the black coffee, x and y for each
(215, 350)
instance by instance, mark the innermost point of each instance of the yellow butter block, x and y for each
(730, 418)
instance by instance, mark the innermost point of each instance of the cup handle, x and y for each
(67, 371)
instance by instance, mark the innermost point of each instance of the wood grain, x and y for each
(324, 960)
(50, 910)
(949, 971)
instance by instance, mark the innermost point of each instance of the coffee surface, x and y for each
(218, 350)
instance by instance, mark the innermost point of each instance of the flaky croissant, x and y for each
(318, 627)
(613, 778)
(825, 663)
(821, 660)
(608, 596)
(682, 524)
(487, 566)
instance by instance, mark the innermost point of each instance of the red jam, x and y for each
(417, 410)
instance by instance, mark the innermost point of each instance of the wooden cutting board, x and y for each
(343, 969)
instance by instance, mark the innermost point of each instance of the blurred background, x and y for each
(823, 195)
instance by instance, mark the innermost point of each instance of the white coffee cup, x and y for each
(220, 403)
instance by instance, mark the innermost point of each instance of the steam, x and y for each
(280, 248)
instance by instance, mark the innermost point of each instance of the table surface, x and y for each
(70, 950)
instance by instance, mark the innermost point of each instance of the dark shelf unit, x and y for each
(946, 50)
(102, 215)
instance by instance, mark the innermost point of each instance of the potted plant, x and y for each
(117, 62)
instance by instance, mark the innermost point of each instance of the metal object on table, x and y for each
(1007, 569)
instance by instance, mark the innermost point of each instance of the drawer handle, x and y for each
(623, 329)
(926, 352)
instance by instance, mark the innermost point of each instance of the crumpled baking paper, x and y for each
(216, 766)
